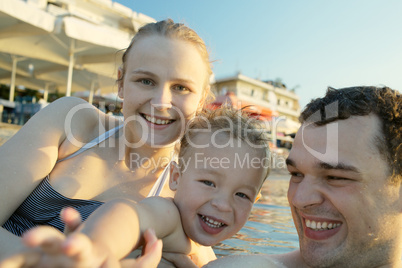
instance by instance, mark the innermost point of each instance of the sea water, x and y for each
(270, 228)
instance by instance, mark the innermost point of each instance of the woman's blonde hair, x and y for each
(168, 28)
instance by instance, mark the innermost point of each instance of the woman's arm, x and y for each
(30, 155)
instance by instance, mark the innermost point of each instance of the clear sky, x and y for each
(309, 44)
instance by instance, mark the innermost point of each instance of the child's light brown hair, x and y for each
(233, 122)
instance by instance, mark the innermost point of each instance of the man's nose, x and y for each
(305, 193)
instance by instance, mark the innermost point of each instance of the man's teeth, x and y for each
(211, 223)
(321, 225)
(157, 121)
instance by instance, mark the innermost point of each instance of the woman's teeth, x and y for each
(321, 225)
(157, 121)
(211, 223)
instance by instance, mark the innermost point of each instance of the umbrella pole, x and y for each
(91, 92)
(46, 92)
(70, 67)
(13, 75)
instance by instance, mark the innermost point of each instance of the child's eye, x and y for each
(180, 88)
(208, 183)
(242, 195)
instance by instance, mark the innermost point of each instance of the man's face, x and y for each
(346, 211)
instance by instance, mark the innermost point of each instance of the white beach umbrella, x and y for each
(58, 47)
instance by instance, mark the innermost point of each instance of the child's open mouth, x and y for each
(211, 222)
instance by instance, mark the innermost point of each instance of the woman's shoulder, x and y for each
(75, 120)
(78, 117)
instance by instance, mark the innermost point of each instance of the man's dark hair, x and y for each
(384, 102)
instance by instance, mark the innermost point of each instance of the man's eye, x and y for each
(180, 88)
(296, 177)
(337, 178)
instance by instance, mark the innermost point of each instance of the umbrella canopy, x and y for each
(58, 47)
(230, 98)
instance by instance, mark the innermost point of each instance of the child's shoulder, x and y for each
(160, 203)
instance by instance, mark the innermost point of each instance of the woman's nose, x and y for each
(162, 99)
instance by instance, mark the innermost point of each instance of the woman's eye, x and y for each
(146, 82)
(208, 183)
(180, 88)
(242, 195)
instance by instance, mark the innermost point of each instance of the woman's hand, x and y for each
(47, 247)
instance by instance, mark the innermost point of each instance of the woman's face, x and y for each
(163, 86)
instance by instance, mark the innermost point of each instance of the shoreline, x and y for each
(7, 131)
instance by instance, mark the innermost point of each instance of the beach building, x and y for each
(278, 105)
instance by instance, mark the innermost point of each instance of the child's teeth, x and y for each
(211, 222)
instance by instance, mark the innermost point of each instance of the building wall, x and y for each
(279, 99)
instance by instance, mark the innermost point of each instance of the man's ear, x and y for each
(175, 175)
(120, 76)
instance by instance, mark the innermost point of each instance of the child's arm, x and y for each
(109, 234)
(116, 227)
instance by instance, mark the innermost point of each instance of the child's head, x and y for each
(224, 160)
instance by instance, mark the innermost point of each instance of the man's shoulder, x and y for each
(287, 260)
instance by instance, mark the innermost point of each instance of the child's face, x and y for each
(162, 87)
(216, 188)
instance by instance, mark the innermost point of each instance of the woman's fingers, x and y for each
(71, 219)
(30, 258)
(47, 238)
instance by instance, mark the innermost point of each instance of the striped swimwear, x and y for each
(43, 205)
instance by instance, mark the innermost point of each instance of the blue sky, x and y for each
(308, 44)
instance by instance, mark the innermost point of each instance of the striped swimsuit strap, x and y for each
(93, 142)
(160, 182)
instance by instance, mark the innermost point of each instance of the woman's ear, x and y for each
(120, 85)
(175, 175)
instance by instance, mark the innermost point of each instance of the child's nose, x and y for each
(222, 203)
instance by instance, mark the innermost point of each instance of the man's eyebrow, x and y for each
(328, 166)
(290, 162)
(339, 166)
